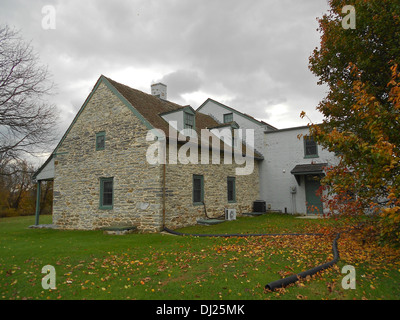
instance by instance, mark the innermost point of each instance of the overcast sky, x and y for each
(251, 55)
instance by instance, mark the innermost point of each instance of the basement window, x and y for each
(106, 193)
(100, 140)
(231, 189)
(310, 147)
(198, 189)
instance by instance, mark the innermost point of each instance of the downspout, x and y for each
(163, 198)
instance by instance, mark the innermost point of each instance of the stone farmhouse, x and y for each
(102, 174)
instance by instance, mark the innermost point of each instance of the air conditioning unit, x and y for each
(230, 214)
(259, 206)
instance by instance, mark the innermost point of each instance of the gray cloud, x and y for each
(252, 55)
(182, 81)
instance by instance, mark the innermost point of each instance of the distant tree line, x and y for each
(18, 190)
(27, 123)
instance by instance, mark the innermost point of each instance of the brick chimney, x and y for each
(159, 90)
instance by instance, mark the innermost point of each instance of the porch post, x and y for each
(37, 203)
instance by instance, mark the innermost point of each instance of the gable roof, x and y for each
(147, 108)
(245, 115)
(187, 108)
(152, 108)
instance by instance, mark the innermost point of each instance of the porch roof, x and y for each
(46, 171)
(308, 169)
(314, 168)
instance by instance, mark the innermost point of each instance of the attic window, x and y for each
(100, 140)
(228, 117)
(188, 120)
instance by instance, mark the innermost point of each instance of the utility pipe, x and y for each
(288, 280)
(243, 235)
(292, 279)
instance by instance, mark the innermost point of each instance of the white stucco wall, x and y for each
(283, 150)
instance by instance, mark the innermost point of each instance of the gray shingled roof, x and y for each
(313, 168)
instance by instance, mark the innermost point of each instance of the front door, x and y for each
(313, 202)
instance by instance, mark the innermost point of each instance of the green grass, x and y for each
(93, 265)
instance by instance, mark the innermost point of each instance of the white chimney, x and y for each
(159, 90)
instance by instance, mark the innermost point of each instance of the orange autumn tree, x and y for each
(362, 111)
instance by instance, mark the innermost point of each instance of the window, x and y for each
(310, 147)
(188, 120)
(228, 117)
(106, 193)
(231, 189)
(198, 189)
(100, 140)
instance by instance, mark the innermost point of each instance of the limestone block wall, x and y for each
(79, 167)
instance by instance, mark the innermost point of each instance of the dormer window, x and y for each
(188, 120)
(228, 117)
(181, 119)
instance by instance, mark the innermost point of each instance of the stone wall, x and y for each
(79, 167)
(180, 210)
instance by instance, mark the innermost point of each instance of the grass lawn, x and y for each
(93, 265)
